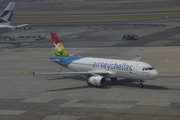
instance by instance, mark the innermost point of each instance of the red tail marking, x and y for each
(55, 38)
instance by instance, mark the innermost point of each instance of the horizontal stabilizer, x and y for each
(55, 60)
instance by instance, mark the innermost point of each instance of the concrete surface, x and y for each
(48, 97)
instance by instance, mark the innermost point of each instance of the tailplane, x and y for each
(5, 17)
(58, 46)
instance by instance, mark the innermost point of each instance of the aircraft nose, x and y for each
(155, 74)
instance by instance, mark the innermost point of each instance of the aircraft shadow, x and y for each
(79, 87)
(123, 82)
(134, 84)
(77, 77)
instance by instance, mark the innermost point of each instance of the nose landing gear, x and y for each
(141, 85)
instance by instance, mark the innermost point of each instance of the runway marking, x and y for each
(74, 101)
(158, 100)
(62, 117)
(27, 72)
(36, 100)
(5, 74)
(94, 105)
(169, 30)
(51, 64)
(127, 42)
(12, 112)
(116, 26)
(60, 71)
(168, 43)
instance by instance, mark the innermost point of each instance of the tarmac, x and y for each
(67, 97)
(113, 13)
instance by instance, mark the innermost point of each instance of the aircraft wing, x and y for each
(23, 25)
(13, 27)
(136, 59)
(74, 73)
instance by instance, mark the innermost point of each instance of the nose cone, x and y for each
(154, 74)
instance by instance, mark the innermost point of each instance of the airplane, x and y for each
(98, 69)
(5, 18)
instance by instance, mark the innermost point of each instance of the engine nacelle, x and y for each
(97, 80)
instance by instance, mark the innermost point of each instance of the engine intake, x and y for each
(97, 80)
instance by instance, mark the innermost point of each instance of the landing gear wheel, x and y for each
(141, 85)
(89, 84)
(113, 79)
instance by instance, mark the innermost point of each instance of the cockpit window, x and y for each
(150, 68)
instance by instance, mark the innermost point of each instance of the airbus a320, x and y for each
(98, 69)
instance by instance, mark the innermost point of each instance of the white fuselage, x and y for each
(7, 27)
(116, 68)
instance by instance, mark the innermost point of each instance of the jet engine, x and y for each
(97, 80)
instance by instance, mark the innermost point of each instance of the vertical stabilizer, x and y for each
(5, 17)
(62, 57)
(58, 46)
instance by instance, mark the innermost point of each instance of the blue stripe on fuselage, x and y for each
(65, 61)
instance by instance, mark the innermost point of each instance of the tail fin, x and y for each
(5, 17)
(58, 46)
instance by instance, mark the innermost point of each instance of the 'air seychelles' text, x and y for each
(115, 66)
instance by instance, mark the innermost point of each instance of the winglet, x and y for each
(33, 73)
(136, 59)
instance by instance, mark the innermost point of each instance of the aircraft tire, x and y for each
(89, 84)
(113, 79)
(141, 85)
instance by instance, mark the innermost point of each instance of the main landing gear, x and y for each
(141, 85)
(113, 79)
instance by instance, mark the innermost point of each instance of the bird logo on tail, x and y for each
(58, 46)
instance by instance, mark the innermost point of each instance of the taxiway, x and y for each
(48, 97)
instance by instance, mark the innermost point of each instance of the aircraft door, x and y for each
(134, 69)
